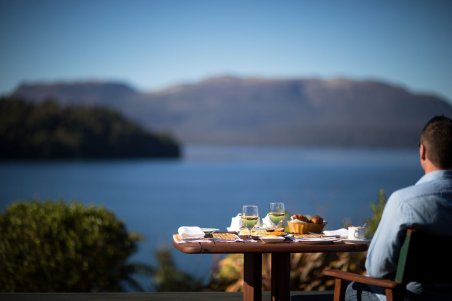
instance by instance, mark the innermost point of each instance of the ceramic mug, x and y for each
(356, 233)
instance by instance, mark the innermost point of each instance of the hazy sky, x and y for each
(153, 44)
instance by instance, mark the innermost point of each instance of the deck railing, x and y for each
(161, 296)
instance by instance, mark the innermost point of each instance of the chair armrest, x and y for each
(385, 283)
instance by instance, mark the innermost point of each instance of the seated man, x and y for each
(427, 205)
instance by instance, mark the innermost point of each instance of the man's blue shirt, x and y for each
(426, 205)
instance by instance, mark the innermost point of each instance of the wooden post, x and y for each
(252, 277)
(280, 280)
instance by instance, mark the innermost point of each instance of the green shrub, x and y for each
(58, 246)
(169, 278)
(377, 210)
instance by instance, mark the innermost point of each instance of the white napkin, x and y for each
(342, 232)
(236, 223)
(190, 232)
(268, 222)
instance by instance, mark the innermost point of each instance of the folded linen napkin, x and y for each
(236, 223)
(190, 232)
(177, 239)
(342, 232)
(268, 222)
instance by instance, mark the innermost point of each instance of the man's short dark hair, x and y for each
(436, 137)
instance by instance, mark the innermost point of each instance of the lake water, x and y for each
(210, 184)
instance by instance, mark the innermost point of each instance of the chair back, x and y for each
(425, 258)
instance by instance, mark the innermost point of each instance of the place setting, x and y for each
(356, 234)
(268, 230)
(275, 227)
(194, 234)
(245, 227)
(351, 234)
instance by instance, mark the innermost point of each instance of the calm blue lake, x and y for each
(210, 184)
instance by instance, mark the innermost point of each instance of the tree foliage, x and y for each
(169, 278)
(47, 131)
(377, 210)
(64, 247)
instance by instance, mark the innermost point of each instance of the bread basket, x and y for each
(305, 228)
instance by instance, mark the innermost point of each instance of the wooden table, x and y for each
(280, 261)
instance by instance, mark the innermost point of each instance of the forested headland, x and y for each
(51, 131)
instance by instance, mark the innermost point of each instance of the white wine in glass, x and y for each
(277, 213)
(250, 217)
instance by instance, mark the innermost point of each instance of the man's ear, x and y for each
(422, 152)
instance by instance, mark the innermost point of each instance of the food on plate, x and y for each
(274, 229)
(254, 231)
(225, 236)
(263, 232)
(310, 235)
(274, 232)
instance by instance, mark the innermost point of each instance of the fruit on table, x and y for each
(316, 219)
(300, 217)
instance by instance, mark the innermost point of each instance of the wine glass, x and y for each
(277, 213)
(250, 217)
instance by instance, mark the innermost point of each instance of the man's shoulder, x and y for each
(415, 196)
(425, 186)
(408, 192)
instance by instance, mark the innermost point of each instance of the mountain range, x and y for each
(337, 112)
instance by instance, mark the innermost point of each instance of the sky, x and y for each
(154, 44)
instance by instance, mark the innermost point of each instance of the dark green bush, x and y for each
(169, 278)
(57, 246)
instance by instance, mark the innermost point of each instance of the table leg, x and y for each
(252, 277)
(280, 273)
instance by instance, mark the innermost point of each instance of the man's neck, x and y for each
(429, 167)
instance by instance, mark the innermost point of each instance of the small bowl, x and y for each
(305, 228)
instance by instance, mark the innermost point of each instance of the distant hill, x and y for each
(49, 131)
(232, 110)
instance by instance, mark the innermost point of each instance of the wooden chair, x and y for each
(423, 258)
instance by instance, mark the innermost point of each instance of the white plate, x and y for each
(209, 230)
(272, 238)
(320, 240)
(356, 241)
(229, 229)
(193, 238)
